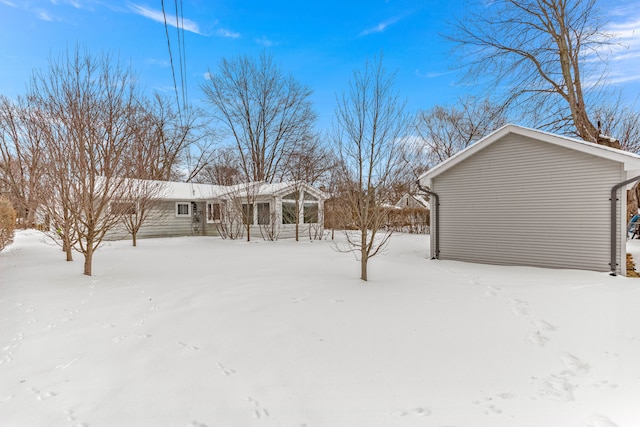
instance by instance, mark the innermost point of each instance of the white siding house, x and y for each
(525, 197)
(189, 209)
(412, 201)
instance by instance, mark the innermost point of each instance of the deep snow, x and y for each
(204, 332)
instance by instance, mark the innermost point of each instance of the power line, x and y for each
(179, 24)
(173, 73)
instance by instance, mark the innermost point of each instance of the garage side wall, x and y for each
(520, 201)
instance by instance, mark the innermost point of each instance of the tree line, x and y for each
(84, 132)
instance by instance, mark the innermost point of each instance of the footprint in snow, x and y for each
(573, 364)
(598, 420)
(536, 339)
(50, 326)
(43, 396)
(416, 412)
(604, 383)
(226, 371)
(189, 347)
(492, 291)
(520, 310)
(506, 395)
(196, 424)
(558, 388)
(258, 412)
(70, 415)
(544, 325)
(119, 339)
(518, 302)
(492, 410)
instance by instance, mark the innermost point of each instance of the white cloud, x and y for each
(73, 3)
(158, 16)
(8, 3)
(264, 41)
(44, 15)
(431, 75)
(228, 34)
(623, 57)
(380, 27)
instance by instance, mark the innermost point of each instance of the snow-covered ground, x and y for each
(205, 332)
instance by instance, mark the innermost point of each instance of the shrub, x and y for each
(7, 223)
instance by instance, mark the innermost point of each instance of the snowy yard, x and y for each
(204, 332)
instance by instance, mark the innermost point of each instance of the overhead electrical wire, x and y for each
(179, 24)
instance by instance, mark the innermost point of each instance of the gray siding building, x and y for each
(525, 197)
(273, 211)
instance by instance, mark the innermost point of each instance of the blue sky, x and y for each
(319, 42)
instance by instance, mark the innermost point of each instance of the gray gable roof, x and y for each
(630, 161)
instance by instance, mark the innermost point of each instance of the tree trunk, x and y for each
(363, 267)
(66, 247)
(364, 256)
(88, 259)
(297, 217)
(134, 236)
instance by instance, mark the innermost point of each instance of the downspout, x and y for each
(437, 222)
(614, 221)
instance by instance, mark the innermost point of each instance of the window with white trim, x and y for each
(264, 214)
(214, 212)
(289, 214)
(247, 213)
(183, 209)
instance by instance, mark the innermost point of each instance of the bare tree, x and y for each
(310, 162)
(621, 122)
(545, 52)
(443, 131)
(164, 139)
(370, 125)
(7, 222)
(265, 112)
(226, 217)
(21, 158)
(87, 106)
(223, 169)
(140, 201)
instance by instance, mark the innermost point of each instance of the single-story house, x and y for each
(192, 209)
(525, 197)
(409, 200)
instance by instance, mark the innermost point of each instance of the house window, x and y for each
(183, 209)
(247, 213)
(289, 208)
(214, 212)
(310, 212)
(288, 212)
(123, 208)
(264, 214)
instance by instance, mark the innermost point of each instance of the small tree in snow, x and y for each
(369, 128)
